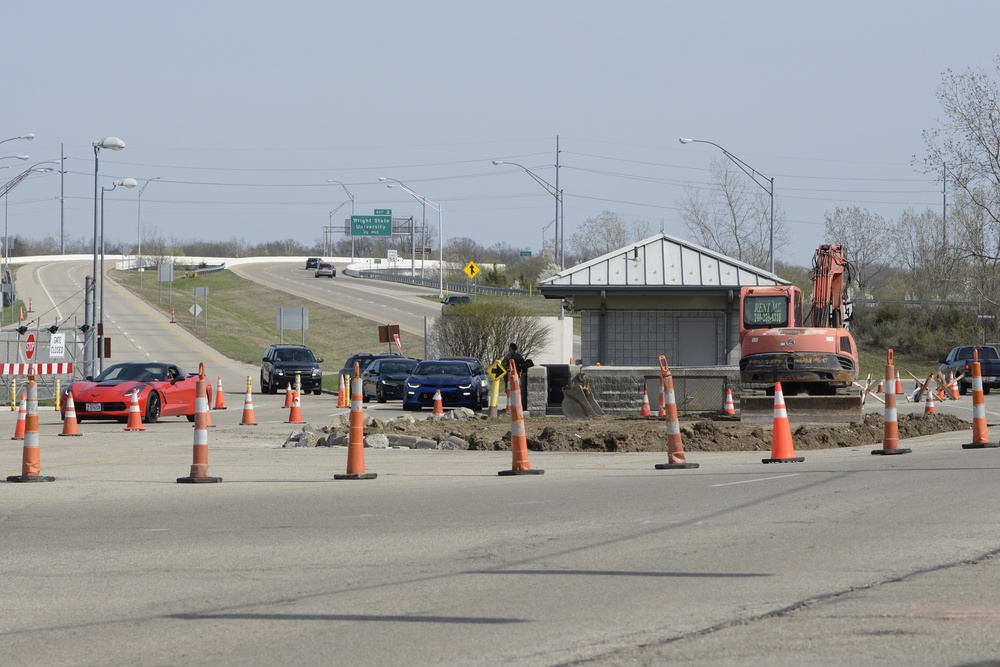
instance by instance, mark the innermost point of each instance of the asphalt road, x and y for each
(844, 559)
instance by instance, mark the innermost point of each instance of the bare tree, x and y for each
(965, 144)
(606, 233)
(867, 243)
(734, 218)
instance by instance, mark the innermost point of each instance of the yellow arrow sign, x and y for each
(471, 270)
(497, 371)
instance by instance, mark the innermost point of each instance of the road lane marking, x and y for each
(759, 479)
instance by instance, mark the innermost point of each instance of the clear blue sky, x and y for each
(247, 108)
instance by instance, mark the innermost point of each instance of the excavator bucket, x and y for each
(578, 401)
(759, 408)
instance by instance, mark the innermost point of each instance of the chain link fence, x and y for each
(12, 351)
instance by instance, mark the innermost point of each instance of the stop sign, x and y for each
(29, 346)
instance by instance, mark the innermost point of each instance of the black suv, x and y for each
(455, 300)
(363, 359)
(311, 262)
(282, 362)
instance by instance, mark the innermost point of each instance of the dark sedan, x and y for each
(452, 378)
(383, 378)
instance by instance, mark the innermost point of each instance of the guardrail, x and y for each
(434, 283)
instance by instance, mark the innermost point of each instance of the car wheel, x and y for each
(263, 385)
(364, 397)
(152, 408)
(317, 392)
(379, 394)
(409, 407)
(271, 388)
(962, 389)
(986, 391)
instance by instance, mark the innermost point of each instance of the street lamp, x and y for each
(5, 190)
(128, 183)
(138, 225)
(114, 144)
(436, 207)
(754, 175)
(560, 233)
(26, 137)
(351, 197)
(15, 157)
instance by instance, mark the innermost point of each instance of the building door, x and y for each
(697, 342)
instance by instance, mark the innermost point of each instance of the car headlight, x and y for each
(412, 385)
(278, 371)
(467, 385)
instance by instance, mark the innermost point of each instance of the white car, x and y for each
(325, 270)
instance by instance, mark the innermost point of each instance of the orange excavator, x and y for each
(814, 357)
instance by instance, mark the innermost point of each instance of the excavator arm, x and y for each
(831, 277)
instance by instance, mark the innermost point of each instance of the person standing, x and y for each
(521, 367)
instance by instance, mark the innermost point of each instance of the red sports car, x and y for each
(165, 390)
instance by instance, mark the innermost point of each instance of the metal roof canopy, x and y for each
(660, 264)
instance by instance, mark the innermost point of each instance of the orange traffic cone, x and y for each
(248, 416)
(356, 437)
(31, 465)
(70, 425)
(953, 383)
(663, 399)
(675, 448)
(173, 320)
(890, 436)
(899, 385)
(730, 406)
(929, 405)
(644, 408)
(288, 396)
(295, 412)
(518, 440)
(220, 401)
(881, 387)
(31, 308)
(980, 435)
(134, 415)
(22, 313)
(342, 393)
(199, 465)
(22, 414)
(438, 405)
(782, 449)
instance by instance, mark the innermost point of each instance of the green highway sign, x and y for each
(525, 253)
(371, 225)
(383, 211)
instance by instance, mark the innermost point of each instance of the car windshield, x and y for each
(294, 355)
(397, 367)
(442, 368)
(132, 373)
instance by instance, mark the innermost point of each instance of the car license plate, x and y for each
(990, 379)
(92, 407)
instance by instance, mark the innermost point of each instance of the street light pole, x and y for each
(138, 226)
(754, 175)
(351, 197)
(90, 319)
(436, 207)
(559, 235)
(128, 183)
(4, 192)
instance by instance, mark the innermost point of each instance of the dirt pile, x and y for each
(644, 434)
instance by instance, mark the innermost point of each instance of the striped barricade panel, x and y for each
(39, 369)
